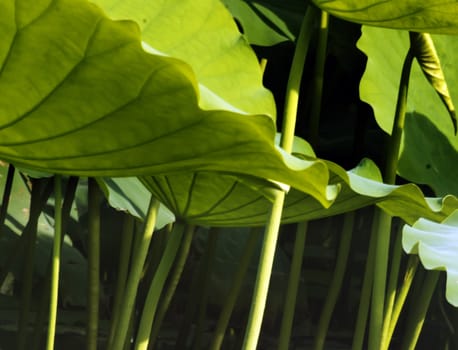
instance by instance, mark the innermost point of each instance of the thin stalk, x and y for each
(317, 80)
(392, 287)
(380, 274)
(94, 196)
(384, 224)
(366, 290)
(130, 293)
(6, 196)
(199, 278)
(55, 266)
(295, 77)
(123, 269)
(30, 236)
(264, 272)
(207, 262)
(293, 285)
(236, 286)
(172, 285)
(157, 284)
(418, 315)
(336, 283)
(43, 312)
(412, 265)
(394, 146)
(271, 233)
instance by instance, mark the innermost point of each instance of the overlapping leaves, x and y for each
(81, 96)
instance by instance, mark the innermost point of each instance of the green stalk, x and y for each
(6, 196)
(417, 317)
(30, 236)
(366, 290)
(317, 81)
(293, 284)
(173, 280)
(402, 295)
(295, 77)
(55, 267)
(42, 314)
(271, 234)
(392, 288)
(394, 146)
(380, 275)
(157, 284)
(130, 293)
(94, 196)
(264, 271)
(236, 285)
(207, 262)
(336, 283)
(123, 269)
(384, 224)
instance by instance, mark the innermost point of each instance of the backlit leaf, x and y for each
(80, 95)
(433, 16)
(436, 245)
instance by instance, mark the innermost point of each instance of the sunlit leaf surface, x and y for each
(81, 96)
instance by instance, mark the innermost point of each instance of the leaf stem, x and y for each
(336, 283)
(208, 261)
(6, 196)
(366, 290)
(273, 225)
(394, 145)
(293, 285)
(418, 314)
(392, 288)
(264, 272)
(138, 260)
(30, 235)
(402, 295)
(157, 284)
(317, 80)
(55, 266)
(295, 77)
(123, 270)
(384, 221)
(173, 280)
(94, 196)
(233, 293)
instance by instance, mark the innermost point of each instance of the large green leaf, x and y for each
(429, 152)
(204, 35)
(81, 96)
(436, 245)
(222, 200)
(434, 16)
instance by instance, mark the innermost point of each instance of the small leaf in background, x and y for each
(423, 48)
(436, 245)
(268, 22)
(429, 154)
(130, 195)
(432, 16)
